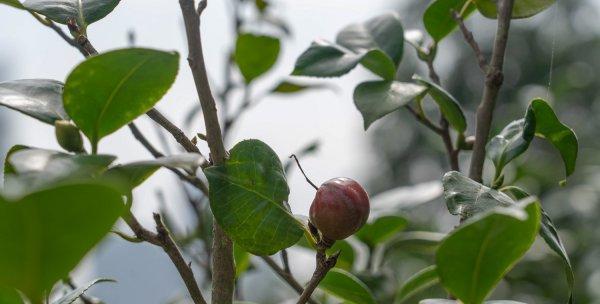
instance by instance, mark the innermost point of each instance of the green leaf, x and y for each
(438, 19)
(466, 197)
(72, 296)
(418, 282)
(325, 59)
(33, 168)
(39, 243)
(129, 176)
(85, 12)
(381, 229)
(511, 142)
(255, 54)
(8, 168)
(474, 257)
(550, 235)
(444, 301)
(110, 90)
(242, 260)
(291, 87)
(13, 3)
(38, 98)
(383, 32)
(10, 296)
(560, 136)
(448, 105)
(345, 286)
(375, 99)
(248, 196)
(521, 9)
(415, 241)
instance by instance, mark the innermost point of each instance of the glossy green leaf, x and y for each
(560, 136)
(13, 3)
(38, 98)
(466, 197)
(39, 243)
(383, 32)
(129, 176)
(475, 256)
(381, 229)
(110, 90)
(418, 282)
(438, 19)
(291, 87)
(448, 105)
(32, 168)
(247, 197)
(521, 9)
(255, 54)
(85, 12)
(550, 235)
(415, 241)
(72, 296)
(375, 99)
(325, 59)
(511, 142)
(346, 286)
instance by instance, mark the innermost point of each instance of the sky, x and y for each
(29, 50)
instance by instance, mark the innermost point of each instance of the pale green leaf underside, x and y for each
(74, 294)
(375, 99)
(38, 98)
(474, 257)
(85, 12)
(247, 197)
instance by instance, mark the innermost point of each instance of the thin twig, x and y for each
(468, 35)
(303, 173)
(192, 180)
(223, 264)
(424, 120)
(287, 277)
(493, 81)
(51, 25)
(324, 264)
(177, 133)
(285, 261)
(81, 39)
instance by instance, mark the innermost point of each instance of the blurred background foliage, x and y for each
(409, 153)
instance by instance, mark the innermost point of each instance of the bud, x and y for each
(68, 136)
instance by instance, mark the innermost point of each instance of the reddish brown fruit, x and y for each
(340, 208)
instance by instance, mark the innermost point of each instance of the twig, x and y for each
(468, 35)
(285, 261)
(51, 25)
(324, 264)
(493, 82)
(81, 38)
(444, 125)
(223, 265)
(424, 120)
(162, 238)
(302, 170)
(193, 180)
(287, 277)
(82, 296)
(177, 133)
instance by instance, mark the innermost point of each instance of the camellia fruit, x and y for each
(340, 208)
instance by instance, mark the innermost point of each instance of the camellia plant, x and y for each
(47, 193)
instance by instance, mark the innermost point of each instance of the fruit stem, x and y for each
(302, 170)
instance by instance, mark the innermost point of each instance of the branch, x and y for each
(162, 238)
(177, 133)
(324, 264)
(424, 120)
(51, 25)
(493, 82)
(468, 35)
(287, 277)
(192, 180)
(81, 39)
(222, 258)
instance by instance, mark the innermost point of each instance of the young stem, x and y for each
(324, 264)
(302, 170)
(493, 82)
